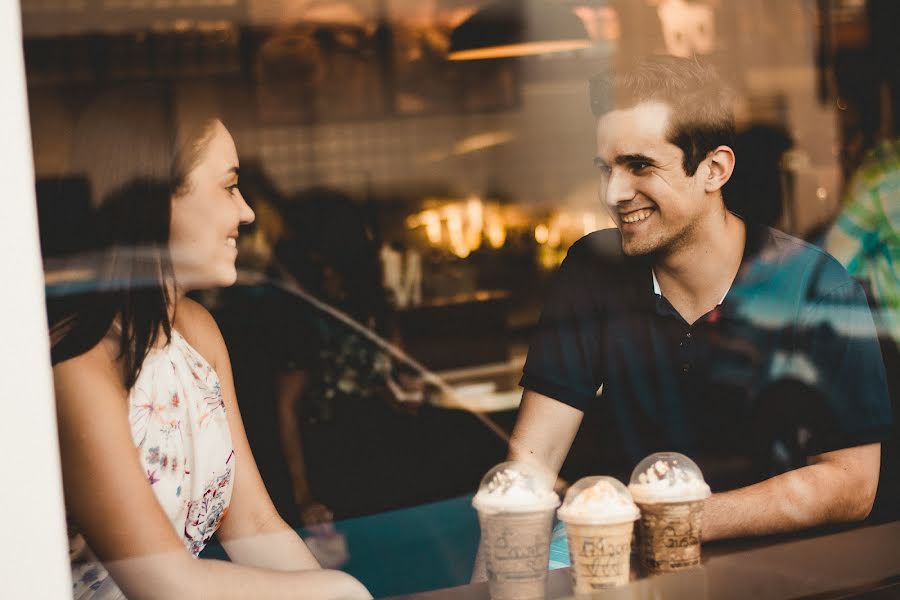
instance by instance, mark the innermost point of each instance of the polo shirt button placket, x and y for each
(686, 365)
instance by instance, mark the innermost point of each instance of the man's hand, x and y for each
(836, 487)
(542, 436)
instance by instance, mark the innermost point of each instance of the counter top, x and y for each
(837, 565)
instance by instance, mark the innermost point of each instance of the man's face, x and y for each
(653, 202)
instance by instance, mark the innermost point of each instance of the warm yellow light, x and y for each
(460, 251)
(524, 49)
(462, 226)
(454, 220)
(555, 236)
(496, 234)
(494, 226)
(548, 258)
(541, 234)
(432, 222)
(475, 212)
(474, 223)
(481, 141)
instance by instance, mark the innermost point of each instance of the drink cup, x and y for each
(670, 491)
(515, 506)
(599, 517)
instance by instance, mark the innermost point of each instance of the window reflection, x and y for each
(411, 216)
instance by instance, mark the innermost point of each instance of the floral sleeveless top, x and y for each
(179, 427)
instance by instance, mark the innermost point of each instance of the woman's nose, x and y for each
(247, 215)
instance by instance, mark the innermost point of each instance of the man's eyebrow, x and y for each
(626, 159)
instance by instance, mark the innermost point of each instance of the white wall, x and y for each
(33, 552)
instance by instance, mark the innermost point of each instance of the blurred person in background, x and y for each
(330, 416)
(866, 239)
(759, 187)
(154, 455)
(866, 235)
(346, 412)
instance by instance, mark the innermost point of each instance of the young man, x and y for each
(687, 329)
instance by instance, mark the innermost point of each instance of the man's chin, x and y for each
(635, 248)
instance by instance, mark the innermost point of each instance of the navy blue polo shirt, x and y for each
(787, 366)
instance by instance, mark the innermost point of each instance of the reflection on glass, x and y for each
(411, 217)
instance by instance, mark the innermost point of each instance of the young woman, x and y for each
(154, 454)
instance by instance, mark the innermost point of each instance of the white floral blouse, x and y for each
(179, 427)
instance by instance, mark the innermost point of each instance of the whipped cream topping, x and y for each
(515, 491)
(668, 482)
(598, 504)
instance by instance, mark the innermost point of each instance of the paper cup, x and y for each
(670, 490)
(600, 555)
(670, 536)
(516, 548)
(515, 504)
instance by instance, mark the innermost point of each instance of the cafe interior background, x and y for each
(470, 168)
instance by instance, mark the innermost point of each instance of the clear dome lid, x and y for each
(516, 486)
(667, 477)
(598, 500)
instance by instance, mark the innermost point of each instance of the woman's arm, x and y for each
(252, 532)
(110, 500)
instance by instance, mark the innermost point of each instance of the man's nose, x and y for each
(619, 188)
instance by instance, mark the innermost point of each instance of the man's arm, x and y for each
(542, 436)
(544, 431)
(836, 487)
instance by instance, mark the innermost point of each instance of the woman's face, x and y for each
(205, 217)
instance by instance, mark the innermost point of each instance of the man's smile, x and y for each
(636, 216)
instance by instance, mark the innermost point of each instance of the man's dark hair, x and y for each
(701, 116)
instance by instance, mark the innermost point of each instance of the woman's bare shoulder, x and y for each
(194, 322)
(98, 368)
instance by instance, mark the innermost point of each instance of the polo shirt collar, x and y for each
(658, 291)
(758, 238)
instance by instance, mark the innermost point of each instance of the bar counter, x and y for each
(862, 562)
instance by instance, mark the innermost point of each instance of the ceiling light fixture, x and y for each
(509, 28)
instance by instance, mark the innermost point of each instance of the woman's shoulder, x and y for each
(196, 325)
(96, 373)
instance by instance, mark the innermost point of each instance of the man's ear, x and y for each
(720, 167)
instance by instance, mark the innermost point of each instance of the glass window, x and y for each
(404, 180)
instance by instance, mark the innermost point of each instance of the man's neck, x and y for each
(696, 276)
